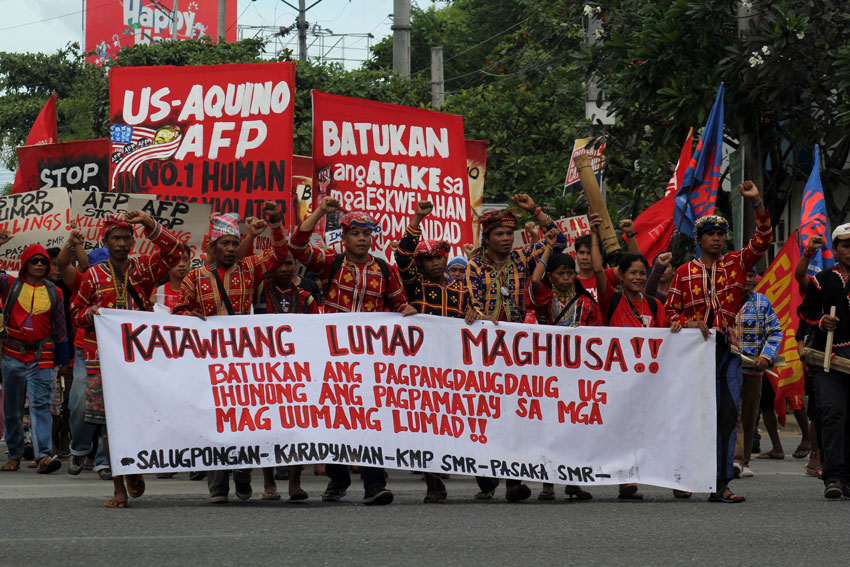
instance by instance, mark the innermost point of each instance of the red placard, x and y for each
(218, 134)
(383, 158)
(82, 164)
(111, 24)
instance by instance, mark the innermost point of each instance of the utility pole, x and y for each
(222, 11)
(301, 23)
(438, 87)
(174, 22)
(401, 37)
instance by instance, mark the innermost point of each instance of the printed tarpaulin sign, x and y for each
(111, 25)
(384, 158)
(188, 221)
(34, 217)
(593, 147)
(572, 227)
(587, 405)
(217, 134)
(476, 168)
(83, 164)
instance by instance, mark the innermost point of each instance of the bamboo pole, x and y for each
(610, 242)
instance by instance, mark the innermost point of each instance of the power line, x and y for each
(88, 9)
(482, 42)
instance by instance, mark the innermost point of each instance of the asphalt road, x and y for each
(60, 520)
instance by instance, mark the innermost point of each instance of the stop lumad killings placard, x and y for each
(218, 134)
(383, 158)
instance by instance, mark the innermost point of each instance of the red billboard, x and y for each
(113, 24)
(218, 134)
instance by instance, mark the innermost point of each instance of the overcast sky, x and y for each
(47, 25)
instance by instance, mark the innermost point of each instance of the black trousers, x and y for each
(832, 393)
(373, 477)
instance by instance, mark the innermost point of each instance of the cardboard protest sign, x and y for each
(217, 134)
(111, 25)
(594, 148)
(476, 169)
(34, 217)
(587, 405)
(188, 221)
(383, 158)
(73, 165)
(572, 227)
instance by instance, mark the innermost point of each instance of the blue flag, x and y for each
(813, 220)
(698, 193)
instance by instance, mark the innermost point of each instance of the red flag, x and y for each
(43, 132)
(783, 292)
(654, 226)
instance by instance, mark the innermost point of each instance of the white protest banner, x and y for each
(572, 227)
(34, 217)
(588, 405)
(188, 221)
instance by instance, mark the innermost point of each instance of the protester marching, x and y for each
(224, 320)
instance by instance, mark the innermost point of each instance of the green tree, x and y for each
(783, 62)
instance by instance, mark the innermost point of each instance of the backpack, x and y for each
(385, 272)
(615, 301)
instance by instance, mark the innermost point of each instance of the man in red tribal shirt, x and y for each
(120, 283)
(353, 281)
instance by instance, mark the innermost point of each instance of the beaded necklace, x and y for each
(120, 297)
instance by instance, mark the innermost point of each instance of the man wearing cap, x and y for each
(36, 341)
(706, 294)
(456, 268)
(353, 281)
(497, 278)
(827, 289)
(227, 286)
(422, 266)
(121, 282)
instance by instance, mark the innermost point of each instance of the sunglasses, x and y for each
(39, 260)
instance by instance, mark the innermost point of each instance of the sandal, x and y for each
(629, 492)
(11, 465)
(116, 502)
(297, 494)
(435, 498)
(682, 493)
(270, 495)
(135, 485)
(726, 496)
(484, 495)
(577, 493)
(772, 454)
(802, 450)
(813, 471)
(546, 494)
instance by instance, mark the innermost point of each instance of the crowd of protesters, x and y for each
(58, 293)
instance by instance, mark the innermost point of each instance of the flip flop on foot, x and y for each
(772, 454)
(726, 496)
(116, 503)
(297, 494)
(802, 451)
(135, 485)
(270, 495)
(682, 493)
